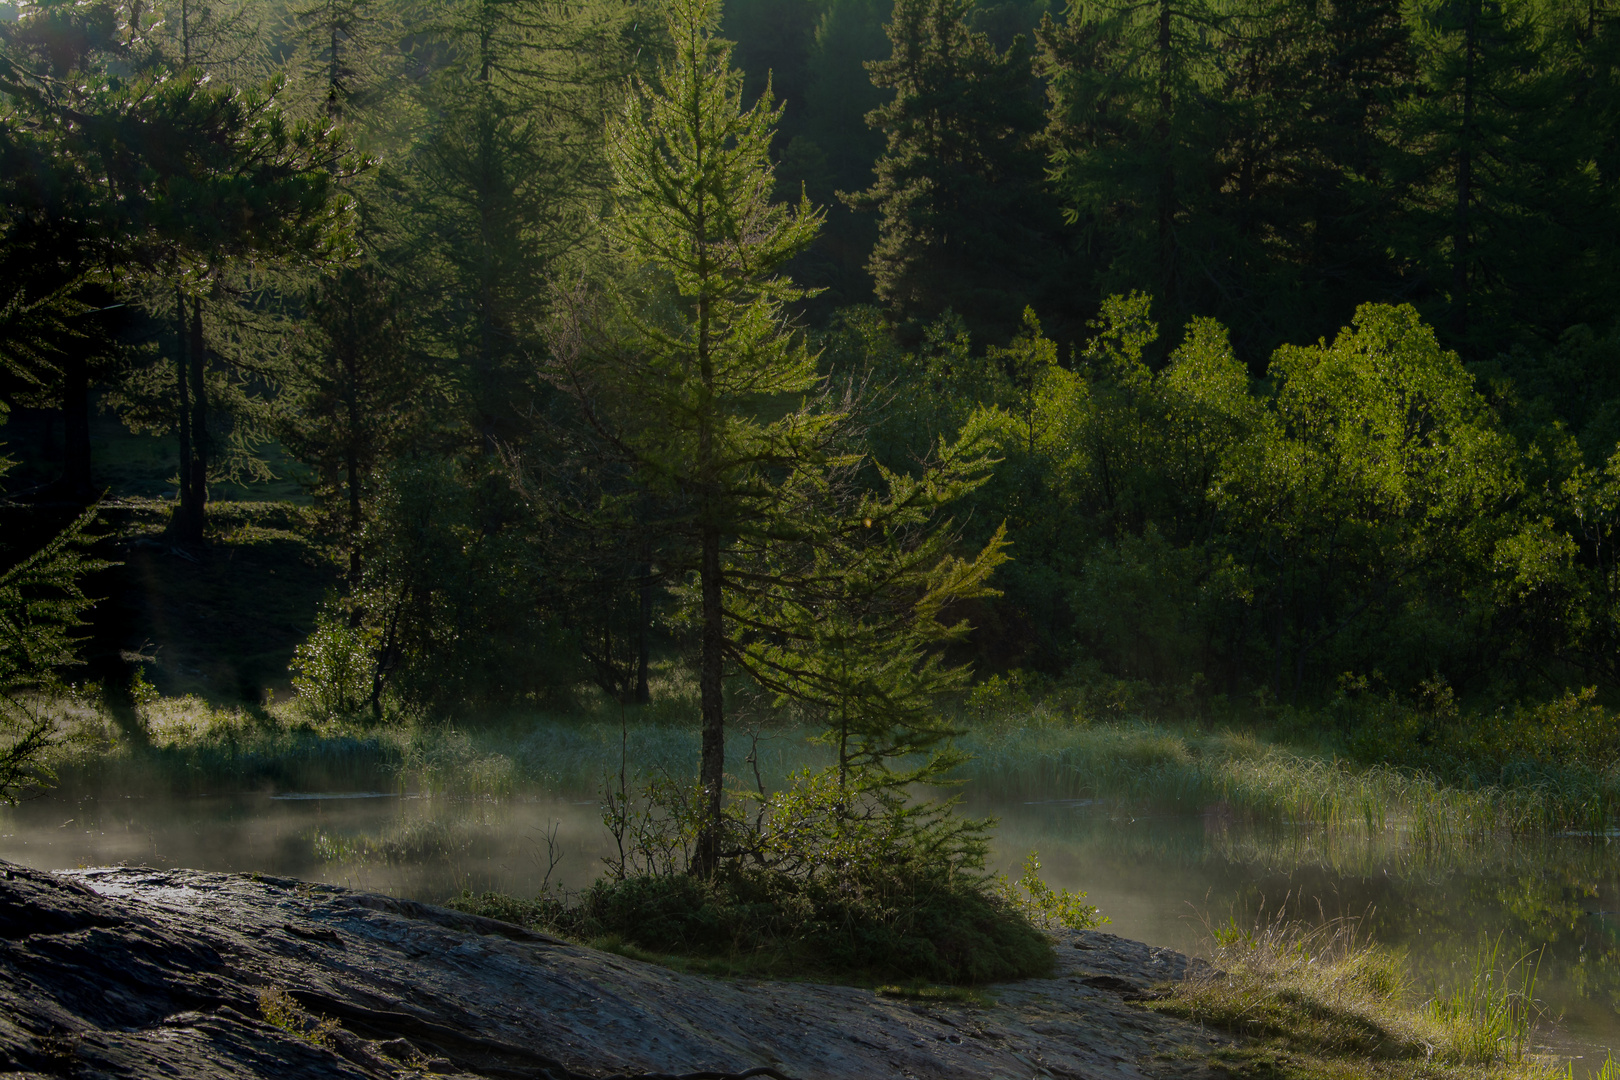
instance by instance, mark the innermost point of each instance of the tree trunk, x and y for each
(351, 459)
(644, 629)
(1460, 238)
(334, 106)
(195, 489)
(75, 483)
(1167, 169)
(182, 391)
(713, 769)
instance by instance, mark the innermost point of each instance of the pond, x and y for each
(1159, 877)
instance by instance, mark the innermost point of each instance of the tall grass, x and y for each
(1317, 995)
(1492, 1012)
(186, 746)
(1266, 782)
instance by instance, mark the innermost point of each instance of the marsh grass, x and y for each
(1241, 774)
(1312, 999)
(186, 745)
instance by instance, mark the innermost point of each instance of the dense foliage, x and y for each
(1192, 354)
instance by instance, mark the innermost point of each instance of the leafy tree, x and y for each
(456, 595)
(963, 220)
(1379, 484)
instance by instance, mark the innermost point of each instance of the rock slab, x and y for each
(130, 972)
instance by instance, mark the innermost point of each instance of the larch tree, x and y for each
(822, 589)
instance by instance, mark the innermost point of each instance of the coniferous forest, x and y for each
(1238, 361)
(1277, 337)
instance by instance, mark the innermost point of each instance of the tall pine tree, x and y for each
(1139, 120)
(964, 222)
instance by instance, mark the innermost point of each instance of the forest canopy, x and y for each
(1224, 351)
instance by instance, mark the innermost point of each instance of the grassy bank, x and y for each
(1315, 1002)
(1251, 777)
(187, 745)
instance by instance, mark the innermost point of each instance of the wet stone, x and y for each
(133, 972)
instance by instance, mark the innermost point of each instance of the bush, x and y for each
(1520, 741)
(332, 671)
(905, 925)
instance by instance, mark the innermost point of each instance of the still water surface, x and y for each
(1159, 878)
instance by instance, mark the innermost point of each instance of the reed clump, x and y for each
(1310, 1000)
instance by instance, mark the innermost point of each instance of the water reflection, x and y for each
(1159, 877)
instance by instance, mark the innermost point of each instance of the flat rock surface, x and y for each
(131, 972)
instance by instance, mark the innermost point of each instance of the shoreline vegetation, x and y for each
(188, 745)
(1301, 1001)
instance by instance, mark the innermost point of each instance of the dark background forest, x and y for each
(1289, 327)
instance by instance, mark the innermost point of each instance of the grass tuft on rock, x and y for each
(1316, 1003)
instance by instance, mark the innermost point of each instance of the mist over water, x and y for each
(1160, 877)
(415, 846)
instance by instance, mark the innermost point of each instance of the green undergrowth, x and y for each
(1314, 1002)
(904, 929)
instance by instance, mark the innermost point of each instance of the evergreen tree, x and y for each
(507, 181)
(224, 39)
(832, 149)
(353, 397)
(343, 57)
(963, 221)
(1504, 209)
(1139, 120)
(697, 381)
(41, 599)
(144, 174)
(57, 241)
(1302, 179)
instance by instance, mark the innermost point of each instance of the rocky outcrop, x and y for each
(158, 973)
